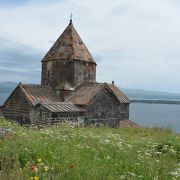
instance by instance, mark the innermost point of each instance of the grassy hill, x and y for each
(66, 152)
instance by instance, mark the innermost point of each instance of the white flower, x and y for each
(108, 157)
(130, 145)
(132, 174)
(176, 173)
(158, 152)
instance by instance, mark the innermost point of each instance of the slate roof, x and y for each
(119, 94)
(85, 93)
(38, 93)
(69, 46)
(44, 95)
(62, 107)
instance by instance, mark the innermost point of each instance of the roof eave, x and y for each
(47, 60)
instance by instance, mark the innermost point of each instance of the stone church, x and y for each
(69, 90)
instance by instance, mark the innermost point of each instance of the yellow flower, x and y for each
(36, 178)
(39, 160)
(46, 168)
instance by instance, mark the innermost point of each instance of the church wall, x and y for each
(124, 110)
(105, 109)
(59, 74)
(1, 112)
(42, 116)
(43, 74)
(64, 75)
(17, 107)
(69, 72)
(84, 72)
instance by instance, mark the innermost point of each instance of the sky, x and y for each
(136, 43)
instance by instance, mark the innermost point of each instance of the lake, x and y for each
(156, 115)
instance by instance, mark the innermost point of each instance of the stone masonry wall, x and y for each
(1, 113)
(17, 107)
(104, 109)
(124, 111)
(67, 74)
(84, 72)
(43, 117)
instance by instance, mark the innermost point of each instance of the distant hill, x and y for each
(146, 94)
(6, 89)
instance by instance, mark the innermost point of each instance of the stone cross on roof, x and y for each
(71, 17)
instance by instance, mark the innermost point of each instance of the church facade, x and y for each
(69, 90)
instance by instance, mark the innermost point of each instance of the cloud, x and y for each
(19, 62)
(136, 42)
(10, 4)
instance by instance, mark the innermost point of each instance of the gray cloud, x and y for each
(136, 42)
(19, 62)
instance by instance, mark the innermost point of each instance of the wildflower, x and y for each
(6, 136)
(40, 163)
(129, 145)
(36, 178)
(132, 174)
(34, 168)
(46, 168)
(172, 151)
(176, 173)
(71, 165)
(158, 152)
(122, 177)
(39, 160)
(108, 157)
(50, 152)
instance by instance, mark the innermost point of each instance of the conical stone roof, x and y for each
(69, 46)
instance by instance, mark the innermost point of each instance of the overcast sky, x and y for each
(136, 43)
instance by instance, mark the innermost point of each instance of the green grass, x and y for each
(89, 153)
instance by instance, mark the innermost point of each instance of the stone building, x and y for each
(34, 104)
(68, 90)
(68, 63)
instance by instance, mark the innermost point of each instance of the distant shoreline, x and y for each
(154, 101)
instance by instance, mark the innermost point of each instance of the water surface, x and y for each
(156, 115)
